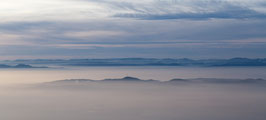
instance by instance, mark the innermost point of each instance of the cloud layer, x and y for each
(149, 28)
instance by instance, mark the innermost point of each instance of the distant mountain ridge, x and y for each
(19, 66)
(146, 62)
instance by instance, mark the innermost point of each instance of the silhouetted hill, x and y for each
(217, 80)
(127, 78)
(172, 82)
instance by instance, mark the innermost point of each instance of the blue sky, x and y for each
(127, 28)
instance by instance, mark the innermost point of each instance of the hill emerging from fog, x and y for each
(133, 80)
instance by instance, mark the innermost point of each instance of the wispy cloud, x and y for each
(234, 14)
(82, 10)
(123, 28)
(196, 10)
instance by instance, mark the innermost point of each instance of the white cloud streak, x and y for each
(82, 10)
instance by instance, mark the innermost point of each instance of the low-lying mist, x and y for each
(135, 99)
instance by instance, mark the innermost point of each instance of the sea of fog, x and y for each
(31, 94)
(18, 76)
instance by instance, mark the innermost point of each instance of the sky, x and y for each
(129, 28)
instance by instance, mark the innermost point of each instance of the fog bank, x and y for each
(120, 99)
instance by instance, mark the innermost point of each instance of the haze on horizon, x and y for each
(127, 28)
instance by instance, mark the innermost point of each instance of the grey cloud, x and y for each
(224, 10)
(241, 14)
(142, 31)
(146, 38)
